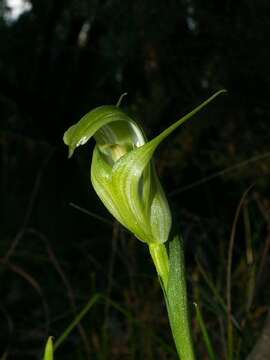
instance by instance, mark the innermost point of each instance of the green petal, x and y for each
(121, 189)
(160, 214)
(129, 180)
(101, 177)
(109, 125)
(110, 194)
(101, 180)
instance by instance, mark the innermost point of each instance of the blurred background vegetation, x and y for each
(58, 60)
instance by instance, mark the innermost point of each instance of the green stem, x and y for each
(160, 258)
(175, 292)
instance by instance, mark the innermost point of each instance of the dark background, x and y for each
(63, 58)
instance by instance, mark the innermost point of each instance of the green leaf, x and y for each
(206, 337)
(48, 354)
(176, 299)
(93, 301)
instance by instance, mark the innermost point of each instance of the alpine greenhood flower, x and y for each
(122, 171)
(124, 177)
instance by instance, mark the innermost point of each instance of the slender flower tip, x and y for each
(72, 139)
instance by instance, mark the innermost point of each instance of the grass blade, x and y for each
(206, 338)
(48, 354)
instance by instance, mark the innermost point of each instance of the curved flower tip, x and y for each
(122, 171)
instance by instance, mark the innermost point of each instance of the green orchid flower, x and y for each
(122, 173)
(124, 177)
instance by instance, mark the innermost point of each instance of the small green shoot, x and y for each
(48, 354)
(206, 337)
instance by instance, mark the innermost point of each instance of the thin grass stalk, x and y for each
(206, 337)
(230, 329)
(48, 353)
(77, 320)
